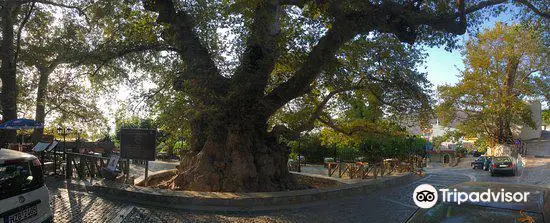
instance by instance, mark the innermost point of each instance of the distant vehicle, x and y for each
(537, 207)
(23, 195)
(487, 163)
(479, 162)
(502, 164)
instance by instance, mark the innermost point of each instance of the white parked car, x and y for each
(23, 195)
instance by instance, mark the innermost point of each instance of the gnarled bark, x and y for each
(233, 152)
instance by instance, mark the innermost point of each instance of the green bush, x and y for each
(311, 147)
(371, 149)
(348, 154)
(481, 145)
(460, 149)
(293, 156)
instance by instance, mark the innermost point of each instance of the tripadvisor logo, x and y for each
(426, 196)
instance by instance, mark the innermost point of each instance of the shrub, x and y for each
(460, 149)
(311, 147)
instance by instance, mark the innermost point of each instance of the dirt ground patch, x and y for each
(158, 180)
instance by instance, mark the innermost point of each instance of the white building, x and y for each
(527, 132)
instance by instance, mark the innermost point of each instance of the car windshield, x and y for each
(451, 213)
(502, 159)
(18, 177)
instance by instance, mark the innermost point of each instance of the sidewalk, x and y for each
(138, 171)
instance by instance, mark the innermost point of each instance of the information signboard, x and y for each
(113, 162)
(138, 144)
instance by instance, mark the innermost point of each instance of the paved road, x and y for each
(535, 172)
(388, 205)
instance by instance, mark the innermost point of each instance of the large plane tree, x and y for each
(232, 146)
(64, 43)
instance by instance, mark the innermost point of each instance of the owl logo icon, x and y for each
(425, 196)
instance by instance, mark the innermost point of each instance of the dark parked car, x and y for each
(487, 163)
(24, 198)
(536, 208)
(502, 164)
(479, 162)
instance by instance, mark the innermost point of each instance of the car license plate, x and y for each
(22, 215)
(503, 165)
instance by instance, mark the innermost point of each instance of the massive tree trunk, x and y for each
(8, 71)
(504, 133)
(40, 114)
(232, 151)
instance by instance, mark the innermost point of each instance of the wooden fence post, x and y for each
(69, 167)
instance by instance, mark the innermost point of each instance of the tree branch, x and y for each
(293, 134)
(482, 5)
(298, 84)
(103, 56)
(20, 29)
(328, 121)
(534, 9)
(74, 112)
(261, 52)
(387, 17)
(150, 96)
(285, 132)
(106, 53)
(319, 108)
(180, 32)
(299, 3)
(80, 11)
(488, 3)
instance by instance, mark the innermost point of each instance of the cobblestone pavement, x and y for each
(71, 203)
(388, 205)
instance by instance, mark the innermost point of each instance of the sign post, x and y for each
(138, 144)
(146, 171)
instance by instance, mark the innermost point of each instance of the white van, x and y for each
(23, 195)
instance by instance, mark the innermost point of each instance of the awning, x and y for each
(41, 146)
(53, 145)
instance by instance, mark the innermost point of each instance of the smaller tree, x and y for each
(460, 149)
(452, 136)
(503, 67)
(546, 117)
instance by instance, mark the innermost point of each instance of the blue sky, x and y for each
(443, 66)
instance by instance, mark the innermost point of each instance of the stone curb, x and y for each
(141, 179)
(536, 156)
(240, 202)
